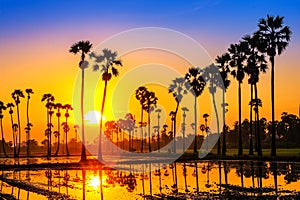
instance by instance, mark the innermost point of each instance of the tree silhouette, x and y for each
(273, 39)
(65, 124)
(29, 125)
(10, 106)
(16, 95)
(130, 124)
(140, 95)
(212, 75)
(223, 64)
(82, 47)
(184, 110)
(49, 98)
(148, 105)
(112, 127)
(158, 111)
(237, 58)
(2, 107)
(197, 83)
(256, 63)
(178, 88)
(106, 63)
(58, 106)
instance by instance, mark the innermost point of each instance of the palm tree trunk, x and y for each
(259, 150)
(197, 179)
(142, 135)
(3, 141)
(218, 123)
(174, 133)
(101, 123)
(28, 126)
(251, 130)
(149, 137)
(240, 152)
(83, 150)
(67, 149)
(13, 134)
(224, 125)
(195, 129)
(19, 124)
(50, 135)
(58, 137)
(273, 150)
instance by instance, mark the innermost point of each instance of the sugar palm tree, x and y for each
(58, 106)
(49, 98)
(149, 104)
(256, 63)
(29, 125)
(178, 88)
(10, 106)
(82, 47)
(237, 58)
(158, 111)
(16, 95)
(130, 123)
(255, 104)
(184, 110)
(206, 128)
(2, 107)
(223, 64)
(197, 83)
(140, 95)
(65, 125)
(212, 75)
(106, 63)
(273, 39)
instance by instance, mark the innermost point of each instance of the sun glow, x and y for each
(93, 117)
(95, 182)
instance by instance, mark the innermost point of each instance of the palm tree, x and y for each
(184, 109)
(206, 128)
(158, 111)
(223, 64)
(10, 106)
(108, 62)
(16, 95)
(65, 125)
(212, 75)
(49, 98)
(82, 47)
(256, 103)
(29, 125)
(178, 88)
(256, 63)
(140, 95)
(130, 123)
(197, 83)
(273, 40)
(2, 107)
(237, 58)
(149, 104)
(58, 106)
(76, 127)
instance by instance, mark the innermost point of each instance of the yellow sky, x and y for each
(51, 69)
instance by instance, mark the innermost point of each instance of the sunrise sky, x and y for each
(35, 37)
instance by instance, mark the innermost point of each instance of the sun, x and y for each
(93, 117)
(95, 182)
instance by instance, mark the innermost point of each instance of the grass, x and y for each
(283, 154)
(266, 152)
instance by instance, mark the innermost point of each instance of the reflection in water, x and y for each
(218, 178)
